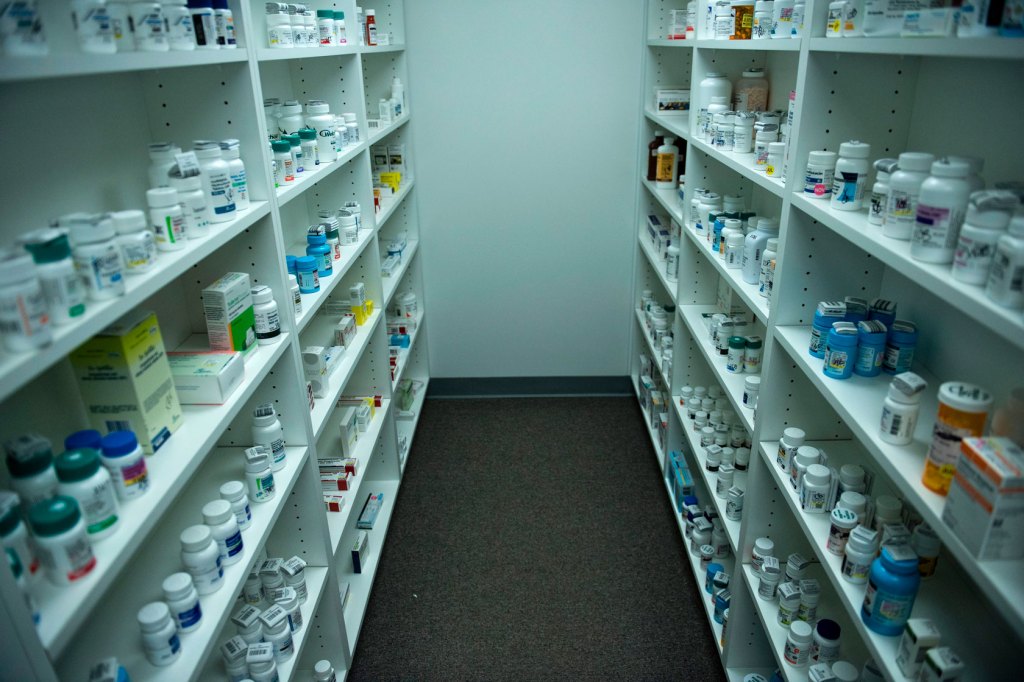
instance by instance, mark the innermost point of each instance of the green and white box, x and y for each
(230, 320)
(206, 378)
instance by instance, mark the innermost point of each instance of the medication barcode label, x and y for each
(264, 410)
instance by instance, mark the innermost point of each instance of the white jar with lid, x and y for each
(194, 201)
(941, 207)
(851, 176)
(261, 663)
(724, 24)
(288, 599)
(150, 27)
(183, 601)
(1007, 273)
(861, 548)
(988, 216)
(743, 132)
(888, 511)
(762, 28)
(782, 19)
(252, 591)
(159, 635)
(268, 321)
(734, 250)
(320, 119)
(24, 312)
(201, 557)
(60, 538)
(234, 493)
(820, 175)
(798, 644)
(323, 671)
(82, 477)
(976, 165)
(61, 284)
(231, 151)
(751, 387)
(220, 518)
(135, 240)
(14, 535)
(751, 91)
(754, 245)
(277, 632)
(854, 502)
(806, 455)
(843, 523)
(167, 218)
(123, 457)
(290, 118)
(763, 136)
(216, 179)
(96, 253)
(718, 104)
(726, 473)
(161, 160)
(852, 478)
(799, 11)
(904, 188)
(769, 254)
(259, 475)
(180, 33)
(268, 432)
(814, 488)
(900, 410)
(714, 84)
(884, 168)
(93, 26)
(233, 654)
(279, 27)
(763, 546)
(776, 159)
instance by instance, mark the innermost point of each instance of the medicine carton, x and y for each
(941, 664)
(396, 158)
(206, 378)
(126, 383)
(359, 548)
(672, 100)
(334, 502)
(370, 511)
(230, 320)
(349, 431)
(919, 636)
(985, 505)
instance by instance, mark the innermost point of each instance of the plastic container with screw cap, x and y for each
(204, 23)
(135, 240)
(927, 546)
(180, 33)
(843, 523)
(82, 477)
(820, 175)
(763, 547)
(825, 647)
(123, 457)
(941, 208)
(96, 253)
(1005, 286)
(159, 635)
(14, 535)
(150, 26)
(231, 151)
(814, 489)
(884, 168)
(268, 321)
(806, 455)
(24, 312)
(183, 601)
(201, 557)
(268, 432)
(30, 464)
(161, 157)
(216, 180)
(844, 671)
(220, 518)
(714, 84)
(93, 26)
(851, 176)
(323, 671)
(963, 412)
(61, 284)
(901, 408)
(892, 589)
(167, 218)
(224, 22)
(60, 538)
(988, 216)
(798, 644)
(261, 662)
(792, 438)
(277, 632)
(904, 188)
(194, 202)
(259, 475)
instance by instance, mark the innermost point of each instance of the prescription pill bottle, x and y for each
(963, 411)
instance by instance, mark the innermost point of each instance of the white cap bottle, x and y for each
(941, 207)
(904, 188)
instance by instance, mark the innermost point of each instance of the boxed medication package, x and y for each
(206, 378)
(230, 319)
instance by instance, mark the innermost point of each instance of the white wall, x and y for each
(525, 131)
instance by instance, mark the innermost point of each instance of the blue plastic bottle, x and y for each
(892, 588)
(870, 348)
(317, 248)
(307, 275)
(89, 438)
(840, 350)
(709, 576)
(856, 309)
(290, 263)
(826, 313)
(884, 311)
(722, 600)
(716, 232)
(899, 347)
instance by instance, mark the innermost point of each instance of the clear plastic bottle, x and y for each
(61, 284)
(268, 432)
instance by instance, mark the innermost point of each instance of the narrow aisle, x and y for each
(532, 539)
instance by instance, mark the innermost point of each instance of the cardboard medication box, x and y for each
(672, 100)
(206, 378)
(126, 383)
(359, 548)
(985, 505)
(230, 319)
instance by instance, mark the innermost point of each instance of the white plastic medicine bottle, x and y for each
(216, 180)
(268, 432)
(904, 188)
(941, 207)
(61, 283)
(201, 557)
(219, 516)
(135, 240)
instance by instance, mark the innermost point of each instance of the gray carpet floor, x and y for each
(532, 539)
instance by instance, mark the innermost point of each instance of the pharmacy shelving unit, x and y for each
(894, 94)
(122, 103)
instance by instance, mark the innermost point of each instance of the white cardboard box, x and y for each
(206, 378)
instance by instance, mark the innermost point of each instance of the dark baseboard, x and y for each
(509, 387)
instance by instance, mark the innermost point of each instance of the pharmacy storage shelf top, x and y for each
(779, 45)
(18, 369)
(85, 64)
(742, 164)
(391, 283)
(677, 124)
(377, 135)
(658, 266)
(665, 42)
(269, 54)
(65, 608)
(323, 407)
(388, 206)
(938, 279)
(655, 354)
(858, 401)
(984, 48)
(939, 599)
(382, 49)
(311, 176)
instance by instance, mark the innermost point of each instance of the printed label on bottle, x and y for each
(898, 425)
(868, 360)
(78, 557)
(268, 324)
(877, 208)
(902, 207)
(94, 26)
(785, 616)
(264, 487)
(139, 254)
(666, 167)
(973, 256)
(24, 315)
(847, 188)
(818, 183)
(897, 360)
(135, 478)
(99, 508)
(65, 295)
(936, 227)
(853, 571)
(241, 186)
(222, 194)
(102, 272)
(207, 578)
(233, 544)
(172, 231)
(180, 30)
(884, 606)
(189, 617)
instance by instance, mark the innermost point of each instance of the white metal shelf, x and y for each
(350, 253)
(732, 383)
(665, 42)
(360, 584)
(741, 163)
(388, 129)
(658, 452)
(777, 45)
(937, 279)
(311, 176)
(381, 49)
(64, 609)
(732, 528)
(388, 208)
(120, 636)
(323, 407)
(405, 353)
(337, 521)
(407, 427)
(316, 581)
(979, 48)
(667, 199)
(17, 370)
(658, 266)
(655, 353)
(677, 124)
(390, 284)
(768, 612)
(67, 64)
(270, 54)
(757, 303)
(858, 401)
(940, 599)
